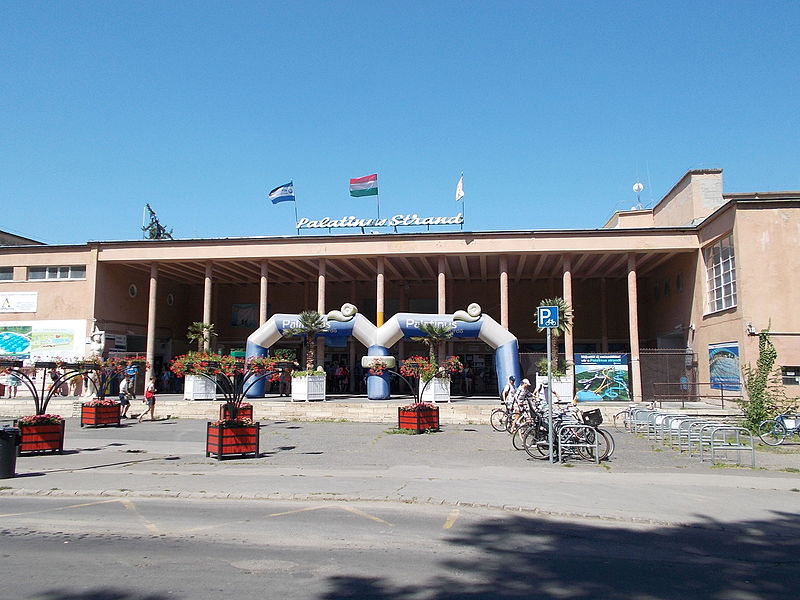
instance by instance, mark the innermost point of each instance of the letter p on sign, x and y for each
(546, 317)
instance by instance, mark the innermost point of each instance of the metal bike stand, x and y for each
(564, 442)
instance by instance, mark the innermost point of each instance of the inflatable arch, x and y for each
(468, 324)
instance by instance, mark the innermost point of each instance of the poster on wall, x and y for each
(602, 378)
(723, 366)
(244, 315)
(43, 340)
(18, 302)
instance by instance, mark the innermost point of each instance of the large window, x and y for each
(720, 275)
(791, 375)
(6, 273)
(73, 272)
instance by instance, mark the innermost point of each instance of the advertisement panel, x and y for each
(602, 378)
(43, 340)
(723, 366)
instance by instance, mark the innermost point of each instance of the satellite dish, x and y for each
(637, 188)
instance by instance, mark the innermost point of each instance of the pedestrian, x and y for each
(12, 382)
(507, 395)
(124, 396)
(285, 382)
(150, 399)
(469, 378)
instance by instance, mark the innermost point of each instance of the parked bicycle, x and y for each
(575, 437)
(774, 432)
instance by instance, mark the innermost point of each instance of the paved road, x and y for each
(461, 466)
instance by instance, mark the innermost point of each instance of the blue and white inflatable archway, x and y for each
(469, 324)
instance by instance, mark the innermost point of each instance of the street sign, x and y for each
(547, 317)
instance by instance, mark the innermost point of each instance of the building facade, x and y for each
(696, 274)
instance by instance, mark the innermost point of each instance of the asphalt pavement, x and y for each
(468, 465)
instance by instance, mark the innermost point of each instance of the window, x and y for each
(679, 282)
(791, 375)
(75, 272)
(666, 287)
(720, 275)
(6, 273)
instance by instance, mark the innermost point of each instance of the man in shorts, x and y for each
(124, 396)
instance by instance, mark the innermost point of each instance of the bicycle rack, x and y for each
(570, 442)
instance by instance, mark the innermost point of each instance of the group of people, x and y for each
(127, 393)
(515, 399)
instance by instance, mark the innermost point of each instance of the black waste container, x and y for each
(9, 440)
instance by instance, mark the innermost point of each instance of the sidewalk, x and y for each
(461, 465)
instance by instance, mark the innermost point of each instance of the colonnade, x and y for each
(441, 291)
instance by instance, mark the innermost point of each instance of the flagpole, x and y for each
(378, 200)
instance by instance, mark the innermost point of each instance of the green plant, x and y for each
(309, 325)
(565, 319)
(766, 396)
(202, 334)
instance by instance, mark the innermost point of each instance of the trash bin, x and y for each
(9, 440)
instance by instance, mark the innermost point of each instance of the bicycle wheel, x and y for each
(603, 444)
(772, 432)
(609, 440)
(536, 444)
(499, 419)
(518, 437)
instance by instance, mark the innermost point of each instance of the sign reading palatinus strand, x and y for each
(395, 221)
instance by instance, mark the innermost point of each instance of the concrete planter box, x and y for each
(199, 388)
(437, 390)
(308, 387)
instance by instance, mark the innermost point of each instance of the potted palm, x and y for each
(196, 387)
(423, 414)
(435, 377)
(308, 384)
(561, 369)
(235, 433)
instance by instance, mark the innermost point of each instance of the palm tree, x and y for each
(309, 325)
(565, 318)
(202, 333)
(434, 336)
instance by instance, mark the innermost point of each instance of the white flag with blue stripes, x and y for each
(282, 193)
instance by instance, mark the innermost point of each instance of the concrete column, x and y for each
(262, 296)
(441, 287)
(151, 322)
(207, 299)
(567, 286)
(321, 309)
(504, 291)
(633, 326)
(603, 315)
(380, 293)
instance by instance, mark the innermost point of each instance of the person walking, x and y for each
(150, 399)
(12, 383)
(124, 396)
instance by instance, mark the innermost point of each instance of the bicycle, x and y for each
(773, 432)
(536, 440)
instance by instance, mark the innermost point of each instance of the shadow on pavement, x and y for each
(522, 558)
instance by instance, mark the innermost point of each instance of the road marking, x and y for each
(349, 509)
(361, 513)
(47, 510)
(294, 512)
(451, 518)
(151, 527)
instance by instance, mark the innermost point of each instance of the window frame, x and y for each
(57, 273)
(720, 265)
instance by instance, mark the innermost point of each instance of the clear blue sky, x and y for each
(551, 109)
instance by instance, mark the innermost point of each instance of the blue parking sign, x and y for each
(547, 317)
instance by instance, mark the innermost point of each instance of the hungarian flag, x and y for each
(364, 186)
